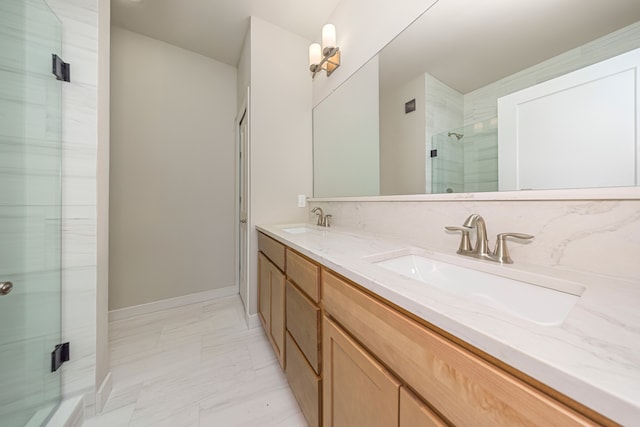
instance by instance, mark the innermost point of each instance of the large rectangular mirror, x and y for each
(489, 95)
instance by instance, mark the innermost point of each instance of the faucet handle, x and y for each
(465, 243)
(327, 223)
(501, 251)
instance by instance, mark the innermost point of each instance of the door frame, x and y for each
(243, 113)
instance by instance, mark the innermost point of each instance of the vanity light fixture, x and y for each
(327, 56)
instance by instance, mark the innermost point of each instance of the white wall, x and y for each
(363, 28)
(346, 153)
(280, 128)
(403, 139)
(172, 172)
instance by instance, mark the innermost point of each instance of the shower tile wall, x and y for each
(79, 145)
(480, 142)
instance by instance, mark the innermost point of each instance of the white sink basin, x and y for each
(535, 303)
(296, 230)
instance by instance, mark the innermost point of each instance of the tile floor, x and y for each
(195, 366)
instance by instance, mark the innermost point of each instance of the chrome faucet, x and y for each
(323, 220)
(481, 247)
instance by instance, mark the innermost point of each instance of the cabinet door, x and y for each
(357, 390)
(271, 305)
(414, 412)
(264, 292)
(278, 313)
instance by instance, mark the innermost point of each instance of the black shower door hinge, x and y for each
(434, 153)
(59, 355)
(60, 69)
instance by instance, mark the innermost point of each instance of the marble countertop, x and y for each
(593, 357)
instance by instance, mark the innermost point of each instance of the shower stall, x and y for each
(30, 213)
(465, 159)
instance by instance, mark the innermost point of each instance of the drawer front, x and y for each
(305, 274)
(303, 323)
(461, 386)
(272, 249)
(305, 384)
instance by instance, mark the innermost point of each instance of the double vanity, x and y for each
(371, 331)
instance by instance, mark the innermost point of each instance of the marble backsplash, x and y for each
(594, 236)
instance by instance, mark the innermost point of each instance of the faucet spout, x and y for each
(481, 246)
(321, 217)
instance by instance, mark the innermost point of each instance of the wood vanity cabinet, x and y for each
(461, 387)
(354, 359)
(271, 293)
(304, 365)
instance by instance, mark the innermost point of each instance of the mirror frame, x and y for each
(605, 193)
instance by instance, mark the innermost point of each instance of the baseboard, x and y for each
(137, 310)
(103, 393)
(253, 321)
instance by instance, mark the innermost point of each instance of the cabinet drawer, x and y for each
(305, 384)
(272, 249)
(303, 321)
(305, 274)
(462, 387)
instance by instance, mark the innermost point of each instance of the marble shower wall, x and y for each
(596, 236)
(79, 156)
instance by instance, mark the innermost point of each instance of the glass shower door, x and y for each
(30, 212)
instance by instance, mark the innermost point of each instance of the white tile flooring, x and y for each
(195, 366)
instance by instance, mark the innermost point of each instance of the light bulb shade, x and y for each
(315, 54)
(328, 36)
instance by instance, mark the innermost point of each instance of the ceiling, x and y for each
(217, 28)
(498, 37)
(470, 43)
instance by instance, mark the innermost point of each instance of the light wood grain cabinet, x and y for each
(271, 296)
(464, 388)
(414, 412)
(305, 384)
(304, 335)
(303, 323)
(357, 391)
(353, 359)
